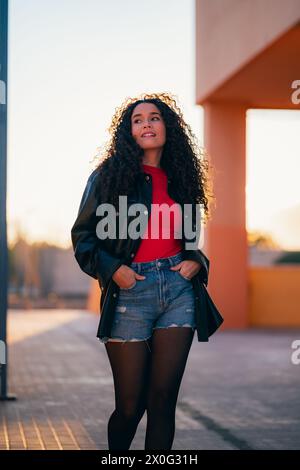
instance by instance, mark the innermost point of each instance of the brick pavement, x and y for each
(239, 390)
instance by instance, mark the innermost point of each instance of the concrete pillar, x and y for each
(226, 238)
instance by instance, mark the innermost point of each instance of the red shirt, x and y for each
(155, 246)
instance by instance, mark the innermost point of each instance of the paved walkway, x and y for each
(239, 391)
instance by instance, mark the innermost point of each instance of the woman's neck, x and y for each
(152, 157)
(150, 164)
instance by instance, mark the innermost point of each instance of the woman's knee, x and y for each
(161, 401)
(131, 412)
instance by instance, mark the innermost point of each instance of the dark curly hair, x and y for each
(183, 160)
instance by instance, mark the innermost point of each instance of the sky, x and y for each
(273, 169)
(71, 63)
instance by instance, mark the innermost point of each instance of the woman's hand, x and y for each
(126, 277)
(187, 268)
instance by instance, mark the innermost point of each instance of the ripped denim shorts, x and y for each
(163, 299)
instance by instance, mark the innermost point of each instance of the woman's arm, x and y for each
(88, 250)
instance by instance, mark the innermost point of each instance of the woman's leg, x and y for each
(170, 349)
(129, 363)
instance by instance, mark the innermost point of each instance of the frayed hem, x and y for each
(123, 341)
(185, 325)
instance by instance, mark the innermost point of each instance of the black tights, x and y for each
(147, 376)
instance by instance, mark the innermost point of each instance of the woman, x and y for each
(147, 305)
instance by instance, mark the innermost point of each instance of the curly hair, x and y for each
(183, 159)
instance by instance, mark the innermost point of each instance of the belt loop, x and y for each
(135, 268)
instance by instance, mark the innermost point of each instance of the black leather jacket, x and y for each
(101, 258)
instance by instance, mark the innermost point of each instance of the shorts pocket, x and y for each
(129, 288)
(185, 278)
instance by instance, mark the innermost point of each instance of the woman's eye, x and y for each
(154, 117)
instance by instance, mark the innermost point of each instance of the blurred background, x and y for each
(71, 63)
(233, 66)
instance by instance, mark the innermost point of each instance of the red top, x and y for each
(161, 222)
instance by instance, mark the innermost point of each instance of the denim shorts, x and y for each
(163, 299)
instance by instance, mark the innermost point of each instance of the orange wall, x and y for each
(274, 296)
(93, 302)
(231, 33)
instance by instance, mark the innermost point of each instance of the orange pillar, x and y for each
(225, 142)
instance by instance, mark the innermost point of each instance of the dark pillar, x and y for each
(3, 232)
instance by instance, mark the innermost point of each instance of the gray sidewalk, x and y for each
(239, 391)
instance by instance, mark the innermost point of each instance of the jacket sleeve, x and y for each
(196, 254)
(88, 249)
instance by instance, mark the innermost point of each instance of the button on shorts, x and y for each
(163, 299)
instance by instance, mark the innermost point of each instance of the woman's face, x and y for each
(146, 119)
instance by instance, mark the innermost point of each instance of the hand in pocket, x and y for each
(126, 277)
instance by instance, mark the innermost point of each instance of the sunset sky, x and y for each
(72, 62)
